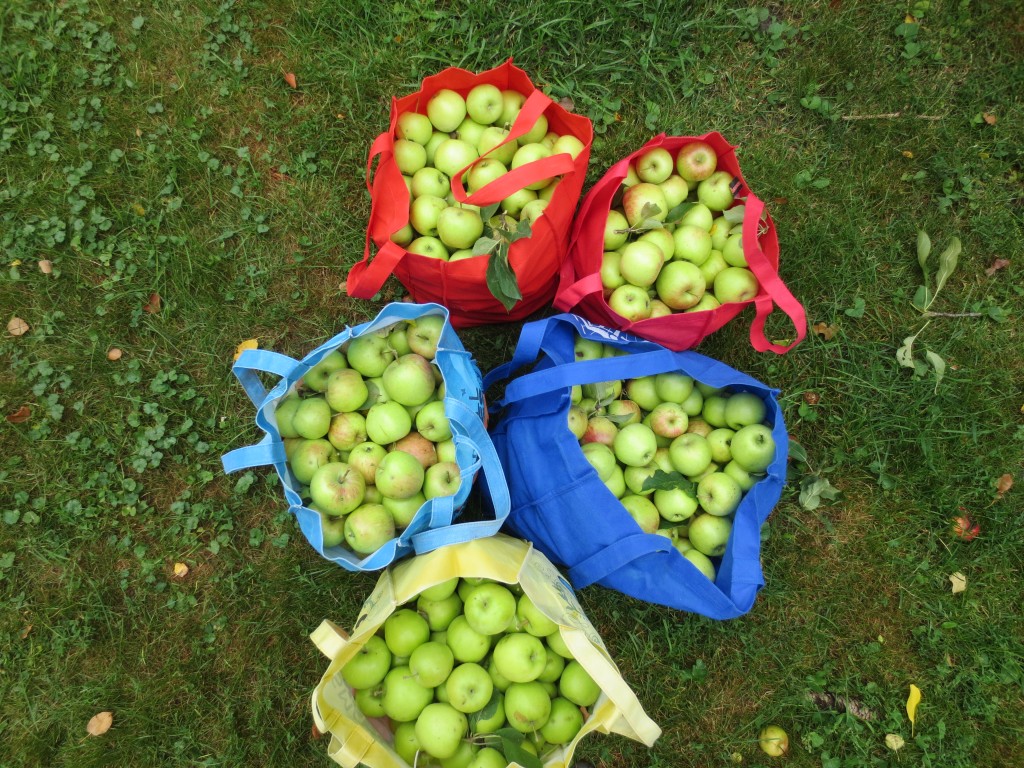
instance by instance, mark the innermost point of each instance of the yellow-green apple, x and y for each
(490, 608)
(698, 216)
(424, 334)
(387, 422)
(453, 155)
(399, 475)
(527, 706)
(577, 421)
(716, 191)
(409, 156)
(615, 234)
(402, 510)
(283, 415)
(528, 152)
(709, 534)
(720, 440)
(519, 657)
(616, 482)
(536, 133)
(576, 684)
(403, 698)
(753, 447)
(654, 166)
(442, 479)
(733, 252)
(409, 380)
(346, 391)
(365, 458)
(587, 349)
(414, 127)
(308, 456)
(692, 243)
(440, 729)
(484, 103)
(690, 454)
(694, 403)
(719, 494)
(634, 445)
(696, 161)
(719, 232)
(431, 663)
(430, 247)
(640, 262)
(601, 458)
(348, 429)
(312, 418)
(701, 562)
(660, 309)
(631, 177)
(567, 144)
(369, 665)
(446, 109)
(491, 145)
(470, 131)
(672, 386)
(714, 409)
(680, 284)
(469, 687)
(675, 190)
(714, 264)
(436, 138)
(532, 619)
(332, 530)
(735, 284)
(642, 509)
(441, 611)
(316, 377)
(644, 201)
(675, 504)
(459, 227)
(368, 528)
(430, 181)
(743, 409)
(424, 213)
(513, 204)
(533, 210)
(564, 722)
(631, 302)
(744, 479)
(611, 275)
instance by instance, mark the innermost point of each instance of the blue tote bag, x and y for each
(435, 523)
(560, 504)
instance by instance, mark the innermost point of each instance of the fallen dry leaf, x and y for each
(26, 631)
(20, 416)
(17, 327)
(567, 104)
(316, 733)
(913, 699)
(247, 344)
(989, 118)
(825, 330)
(1004, 484)
(959, 582)
(996, 266)
(100, 723)
(180, 570)
(153, 305)
(907, 153)
(781, 200)
(114, 354)
(138, 210)
(46, 266)
(289, 77)
(894, 742)
(812, 398)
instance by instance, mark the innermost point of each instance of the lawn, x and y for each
(166, 194)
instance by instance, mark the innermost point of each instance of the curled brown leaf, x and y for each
(153, 305)
(20, 416)
(825, 330)
(45, 266)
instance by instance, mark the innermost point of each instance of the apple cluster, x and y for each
(471, 674)
(670, 247)
(366, 435)
(456, 131)
(678, 454)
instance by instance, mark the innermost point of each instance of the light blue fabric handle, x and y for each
(497, 486)
(266, 452)
(263, 360)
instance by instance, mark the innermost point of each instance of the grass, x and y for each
(153, 149)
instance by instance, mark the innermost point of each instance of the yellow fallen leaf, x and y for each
(17, 327)
(959, 582)
(894, 742)
(100, 723)
(247, 344)
(912, 701)
(908, 19)
(180, 570)
(16, 263)
(907, 153)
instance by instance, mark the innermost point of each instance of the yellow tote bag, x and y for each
(355, 739)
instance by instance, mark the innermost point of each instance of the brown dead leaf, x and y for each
(153, 305)
(17, 327)
(835, 702)
(289, 77)
(100, 723)
(567, 104)
(996, 266)
(825, 330)
(1004, 485)
(989, 118)
(26, 631)
(45, 266)
(20, 416)
(114, 354)
(316, 733)
(781, 200)
(812, 398)
(180, 570)
(958, 582)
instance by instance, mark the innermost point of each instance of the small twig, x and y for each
(954, 314)
(889, 116)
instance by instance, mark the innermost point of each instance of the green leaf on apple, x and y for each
(668, 481)
(678, 212)
(735, 214)
(511, 747)
(484, 246)
(487, 712)
(488, 211)
(501, 280)
(523, 231)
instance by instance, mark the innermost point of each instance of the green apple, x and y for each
(680, 285)
(387, 422)
(716, 191)
(312, 418)
(527, 706)
(644, 201)
(404, 699)
(675, 504)
(564, 722)
(519, 657)
(675, 190)
(466, 643)
(347, 430)
(365, 458)
(484, 172)
(283, 415)
(440, 729)
(746, 480)
(714, 264)
(532, 619)
(439, 613)
(699, 216)
(446, 109)
(673, 386)
(529, 152)
(369, 354)
(470, 131)
(512, 103)
(405, 631)
(491, 145)
(743, 409)
(601, 458)
(735, 284)
(552, 667)
(567, 144)
(368, 667)
(345, 390)
(556, 643)
(406, 742)
(732, 251)
(332, 529)
(691, 243)
(368, 528)
(399, 475)
(690, 454)
(615, 234)
(488, 757)
(714, 409)
(409, 380)
(640, 262)
(424, 213)
(661, 237)
(308, 456)
(453, 156)
(442, 479)
(709, 534)
(425, 334)
(719, 494)
(630, 302)
(578, 686)
(337, 488)
(414, 127)
(469, 687)
(720, 440)
(533, 210)
(316, 377)
(436, 138)
(701, 562)
(430, 182)
(654, 166)
(643, 510)
(753, 447)
(634, 445)
(484, 103)
(409, 156)
(643, 391)
(490, 608)
(428, 247)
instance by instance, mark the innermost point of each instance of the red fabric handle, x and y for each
(572, 295)
(513, 181)
(367, 277)
(773, 290)
(381, 144)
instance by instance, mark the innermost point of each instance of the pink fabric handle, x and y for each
(773, 290)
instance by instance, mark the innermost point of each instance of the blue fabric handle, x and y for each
(264, 453)
(496, 484)
(263, 360)
(619, 554)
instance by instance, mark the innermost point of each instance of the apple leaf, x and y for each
(512, 748)
(501, 280)
(947, 263)
(905, 354)
(668, 481)
(523, 231)
(487, 712)
(813, 489)
(649, 211)
(484, 246)
(797, 452)
(678, 212)
(647, 224)
(922, 297)
(735, 214)
(488, 211)
(938, 364)
(924, 248)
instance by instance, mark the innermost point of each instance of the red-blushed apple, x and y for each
(446, 109)
(667, 420)
(600, 429)
(696, 161)
(691, 243)
(368, 528)
(709, 534)
(399, 475)
(680, 284)
(414, 127)
(631, 302)
(654, 166)
(442, 479)
(415, 445)
(735, 284)
(644, 201)
(773, 741)
(690, 454)
(716, 191)
(623, 412)
(347, 430)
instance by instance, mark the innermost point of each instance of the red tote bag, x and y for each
(461, 286)
(580, 288)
